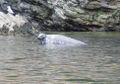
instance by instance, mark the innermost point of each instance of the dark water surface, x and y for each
(24, 61)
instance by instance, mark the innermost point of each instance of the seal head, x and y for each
(42, 38)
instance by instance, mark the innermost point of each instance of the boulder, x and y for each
(9, 21)
(67, 15)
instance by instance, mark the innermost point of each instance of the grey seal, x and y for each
(57, 39)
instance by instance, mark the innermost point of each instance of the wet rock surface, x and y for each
(67, 15)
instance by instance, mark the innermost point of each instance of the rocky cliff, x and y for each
(66, 15)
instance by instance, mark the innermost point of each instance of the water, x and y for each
(24, 61)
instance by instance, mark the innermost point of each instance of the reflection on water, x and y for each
(24, 61)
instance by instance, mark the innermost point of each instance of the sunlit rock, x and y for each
(67, 15)
(9, 20)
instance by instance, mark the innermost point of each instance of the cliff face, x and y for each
(68, 15)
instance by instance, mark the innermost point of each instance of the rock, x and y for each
(93, 5)
(66, 15)
(9, 21)
(4, 29)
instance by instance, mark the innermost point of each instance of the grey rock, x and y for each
(67, 15)
(94, 5)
